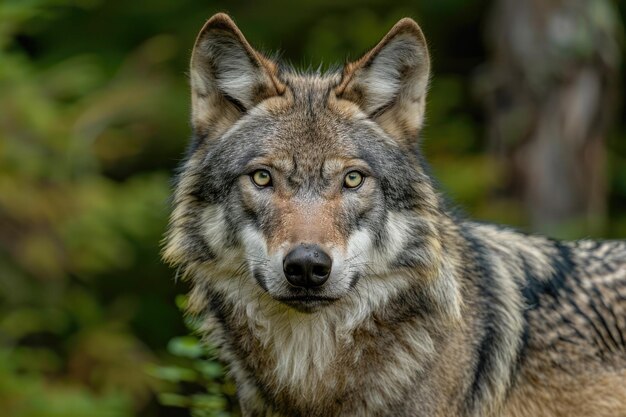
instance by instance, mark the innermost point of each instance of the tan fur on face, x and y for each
(306, 222)
(305, 219)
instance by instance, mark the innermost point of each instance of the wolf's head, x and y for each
(308, 186)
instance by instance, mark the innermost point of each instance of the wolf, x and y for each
(336, 280)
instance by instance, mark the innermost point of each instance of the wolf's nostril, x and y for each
(320, 270)
(307, 266)
(293, 269)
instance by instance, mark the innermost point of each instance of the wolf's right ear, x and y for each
(228, 77)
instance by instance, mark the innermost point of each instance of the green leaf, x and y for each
(173, 373)
(185, 346)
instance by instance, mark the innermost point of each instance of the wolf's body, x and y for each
(422, 313)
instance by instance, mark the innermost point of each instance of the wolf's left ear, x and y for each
(228, 76)
(389, 83)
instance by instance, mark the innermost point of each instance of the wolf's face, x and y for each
(307, 185)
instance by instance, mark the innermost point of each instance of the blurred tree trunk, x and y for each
(550, 89)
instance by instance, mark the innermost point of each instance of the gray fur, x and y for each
(431, 315)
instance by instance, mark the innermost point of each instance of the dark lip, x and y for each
(307, 303)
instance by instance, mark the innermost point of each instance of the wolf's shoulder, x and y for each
(572, 293)
(508, 243)
(588, 255)
(540, 266)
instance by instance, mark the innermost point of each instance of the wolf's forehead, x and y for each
(307, 119)
(311, 87)
(300, 131)
(300, 163)
(314, 145)
(311, 95)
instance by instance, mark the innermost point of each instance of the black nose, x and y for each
(307, 266)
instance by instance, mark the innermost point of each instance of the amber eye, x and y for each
(262, 178)
(353, 179)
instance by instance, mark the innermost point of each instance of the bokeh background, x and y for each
(526, 126)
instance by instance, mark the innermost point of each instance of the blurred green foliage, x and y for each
(94, 118)
(196, 363)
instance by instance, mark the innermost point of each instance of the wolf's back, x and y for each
(570, 299)
(581, 310)
(572, 292)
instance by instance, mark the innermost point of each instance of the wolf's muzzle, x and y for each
(307, 266)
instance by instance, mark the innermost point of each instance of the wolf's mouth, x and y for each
(307, 303)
